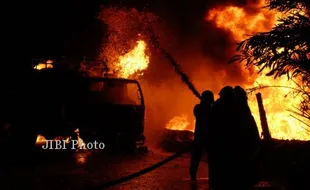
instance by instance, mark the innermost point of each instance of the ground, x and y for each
(84, 170)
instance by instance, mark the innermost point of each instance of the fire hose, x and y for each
(136, 174)
(177, 67)
(186, 80)
(190, 85)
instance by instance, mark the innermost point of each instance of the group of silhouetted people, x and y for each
(226, 130)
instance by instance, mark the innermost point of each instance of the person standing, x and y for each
(248, 140)
(201, 112)
(220, 137)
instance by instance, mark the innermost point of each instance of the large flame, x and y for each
(124, 49)
(276, 100)
(133, 62)
(130, 64)
(241, 23)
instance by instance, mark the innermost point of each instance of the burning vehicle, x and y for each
(112, 111)
(63, 101)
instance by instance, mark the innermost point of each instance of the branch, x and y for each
(301, 122)
(303, 114)
(251, 90)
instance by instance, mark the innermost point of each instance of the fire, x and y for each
(44, 65)
(124, 49)
(123, 65)
(240, 23)
(123, 25)
(67, 139)
(277, 102)
(42, 140)
(80, 140)
(41, 66)
(179, 123)
(134, 61)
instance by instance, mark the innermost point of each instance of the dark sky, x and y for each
(47, 29)
(70, 27)
(63, 28)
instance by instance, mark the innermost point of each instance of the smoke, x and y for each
(198, 45)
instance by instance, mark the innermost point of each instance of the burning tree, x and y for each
(284, 50)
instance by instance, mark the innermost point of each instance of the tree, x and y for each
(285, 50)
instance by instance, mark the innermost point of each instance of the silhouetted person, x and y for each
(247, 139)
(220, 138)
(201, 112)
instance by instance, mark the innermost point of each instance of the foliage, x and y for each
(285, 50)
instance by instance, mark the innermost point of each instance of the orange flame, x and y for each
(45, 65)
(179, 123)
(134, 61)
(240, 23)
(42, 140)
(124, 65)
(41, 66)
(80, 140)
(276, 101)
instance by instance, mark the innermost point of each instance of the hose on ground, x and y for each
(136, 174)
(177, 67)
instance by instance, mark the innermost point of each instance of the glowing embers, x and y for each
(45, 65)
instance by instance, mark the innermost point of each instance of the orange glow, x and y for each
(124, 49)
(49, 62)
(130, 64)
(80, 140)
(127, 57)
(276, 100)
(42, 140)
(240, 23)
(133, 62)
(41, 66)
(180, 123)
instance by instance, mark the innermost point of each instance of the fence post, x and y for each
(263, 118)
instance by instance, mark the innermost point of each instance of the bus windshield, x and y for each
(115, 92)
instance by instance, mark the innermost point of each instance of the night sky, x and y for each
(70, 27)
(51, 29)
